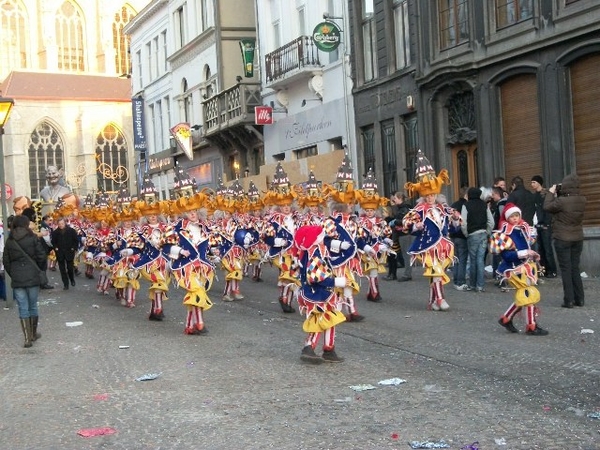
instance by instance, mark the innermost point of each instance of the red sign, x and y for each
(263, 115)
(8, 191)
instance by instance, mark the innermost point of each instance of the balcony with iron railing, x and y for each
(231, 107)
(299, 58)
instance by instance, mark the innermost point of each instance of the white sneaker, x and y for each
(238, 296)
(227, 298)
(462, 287)
(435, 306)
(444, 306)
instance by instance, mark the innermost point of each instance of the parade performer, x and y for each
(429, 221)
(279, 236)
(99, 243)
(512, 241)
(376, 233)
(316, 297)
(256, 250)
(153, 264)
(187, 244)
(127, 249)
(341, 238)
(312, 198)
(87, 231)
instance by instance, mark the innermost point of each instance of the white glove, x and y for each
(383, 248)
(340, 282)
(388, 242)
(368, 249)
(280, 242)
(248, 239)
(126, 252)
(345, 245)
(89, 255)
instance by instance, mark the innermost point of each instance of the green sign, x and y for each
(247, 46)
(327, 36)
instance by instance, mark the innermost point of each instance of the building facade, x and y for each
(496, 88)
(61, 62)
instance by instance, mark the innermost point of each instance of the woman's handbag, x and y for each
(42, 273)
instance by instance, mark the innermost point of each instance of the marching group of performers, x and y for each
(320, 258)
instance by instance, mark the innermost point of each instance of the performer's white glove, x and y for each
(340, 282)
(280, 242)
(126, 252)
(345, 245)
(248, 239)
(369, 250)
(383, 248)
(388, 242)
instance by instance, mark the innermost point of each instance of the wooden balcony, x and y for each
(231, 107)
(300, 56)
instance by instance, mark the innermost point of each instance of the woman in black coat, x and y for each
(24, 258)
(65, 242)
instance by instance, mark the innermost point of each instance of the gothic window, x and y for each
(111, 159)
(453, 23)
(13, 35)
(69, 38)
(45, 148)
(402, 37)
(509, 12)
(121, 40)
(390, 169)
(461, 118)
(368, 135)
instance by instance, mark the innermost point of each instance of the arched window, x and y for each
(45, 149)
(13, 35)
(69, 38)
(111, 159)
(121, 40)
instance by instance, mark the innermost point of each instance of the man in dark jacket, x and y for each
(65, 242)
(567, 207)
(523, 199)
(461, 251)
(24, 258)
(543, 227)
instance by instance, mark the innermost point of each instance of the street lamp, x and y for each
(6, 105)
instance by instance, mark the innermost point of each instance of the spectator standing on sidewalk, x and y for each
(459, 271)
(522, 198)
(567, 207)
(477, 223)
(65, 241)
(543, 227)
(497, 207)
(400, 206)
(24, 258)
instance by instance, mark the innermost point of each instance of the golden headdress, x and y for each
(255, 203)
(343, 191)
(63, 209)
(126, 211)
(185, 191)
(311, 193)
(88, 208)
(427, 182)
(368, 197)
(281, 192)
(149, 204)
(224, 199)
(102, 210)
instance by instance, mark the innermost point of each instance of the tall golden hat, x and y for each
(367, 196)
(102, 210)
(255, 202)
(62, 209)
(343, 188)
(88, 207)
(125, 207)
(240, 198)
(185, 191)
(311, 192)
(281, 192)
(224, 199)
(427, 182)
(149, 204)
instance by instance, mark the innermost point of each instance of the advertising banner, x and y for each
(183, 136)
(247, 46)
(139, 125)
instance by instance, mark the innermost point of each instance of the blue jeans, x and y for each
(477, 244)
(568, 255)
(459, 271)
(27, 299)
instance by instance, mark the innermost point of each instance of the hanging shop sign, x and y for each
(248, 46)
(139, 126)
(183, 137)
(327, 36)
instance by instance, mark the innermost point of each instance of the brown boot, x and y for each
(26, 326)
(34, 325)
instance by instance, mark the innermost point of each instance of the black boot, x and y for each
(34, 325)
(285, 307)
(331, 356)
(26, 327)
(508, 325)
(308, 355)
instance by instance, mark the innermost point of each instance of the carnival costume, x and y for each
(512, 241)
(375, 232)
(87, 231)
(99, 245)
(429, 221)
(256, 250)
(316, 297)
(312, 197)
(153, 263)
(187, 244)
(279, 236)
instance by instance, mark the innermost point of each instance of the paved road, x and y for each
(243, 386)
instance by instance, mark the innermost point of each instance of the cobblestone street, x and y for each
(243, 386)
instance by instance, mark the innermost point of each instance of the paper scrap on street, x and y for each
(428, 444)
(123, 347)
(100, 397)
(587, 331)
(594, 415)
(91, 432)
(73, 324)
(148, 377)
(391, 382)
(362, 387)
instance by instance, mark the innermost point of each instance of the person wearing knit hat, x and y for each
(512, 241)
(316, 298)
(279, 236)
(543, 227)
(428, 221)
